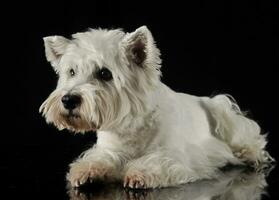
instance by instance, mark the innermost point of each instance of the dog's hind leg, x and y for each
(242, 134)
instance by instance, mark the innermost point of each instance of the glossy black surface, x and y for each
(234, 184)
(208, 47)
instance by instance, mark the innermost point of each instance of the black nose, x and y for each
(71, 101)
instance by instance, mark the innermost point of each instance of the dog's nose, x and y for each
(71, 101)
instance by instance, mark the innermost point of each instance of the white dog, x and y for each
(148, 135)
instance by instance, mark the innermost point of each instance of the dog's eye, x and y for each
(104, 74)
(72, 72)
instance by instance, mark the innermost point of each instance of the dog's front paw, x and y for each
(81, 172)
(75, 194)
(135, 180)
(137, 195)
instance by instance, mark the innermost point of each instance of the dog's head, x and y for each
(105, 77)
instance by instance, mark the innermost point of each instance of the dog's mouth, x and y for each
(72, 115)
(76, 122)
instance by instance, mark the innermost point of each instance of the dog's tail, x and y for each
(242, 134)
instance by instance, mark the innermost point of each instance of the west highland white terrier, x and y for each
(148, 135)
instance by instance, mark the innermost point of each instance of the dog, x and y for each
(148, 136)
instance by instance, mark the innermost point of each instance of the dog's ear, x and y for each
(55, 47)
(141, 48)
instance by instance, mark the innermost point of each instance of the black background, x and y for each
(208, 47)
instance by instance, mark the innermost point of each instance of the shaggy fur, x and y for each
(148, 135)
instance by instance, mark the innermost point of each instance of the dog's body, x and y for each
(148, 135)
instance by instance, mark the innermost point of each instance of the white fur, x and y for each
(148, 135)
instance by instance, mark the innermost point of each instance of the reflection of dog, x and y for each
(148, 135)
(234, 185)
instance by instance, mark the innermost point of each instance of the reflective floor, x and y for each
(43, 177)
(235, 184)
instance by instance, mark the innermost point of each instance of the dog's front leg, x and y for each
(95, 164)
(158, 169)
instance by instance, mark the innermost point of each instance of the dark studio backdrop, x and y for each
(207, 48)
